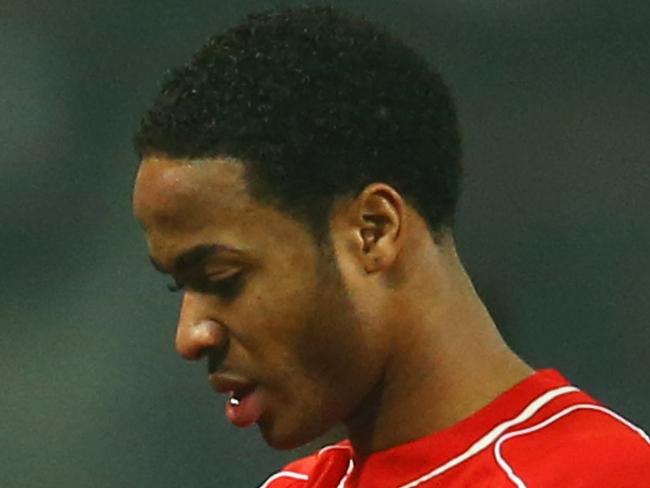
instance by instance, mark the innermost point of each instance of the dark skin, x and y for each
(385, 302)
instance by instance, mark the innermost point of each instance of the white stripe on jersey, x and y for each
(346, 475)
(331, 447)
(581, 406)
(304, 477)
(495, 433)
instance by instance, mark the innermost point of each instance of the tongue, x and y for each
(247, 412)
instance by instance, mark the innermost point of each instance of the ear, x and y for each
(378, 217)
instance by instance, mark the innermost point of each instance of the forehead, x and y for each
(164, 184)
(182, 204)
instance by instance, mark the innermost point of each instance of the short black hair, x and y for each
(316, 103)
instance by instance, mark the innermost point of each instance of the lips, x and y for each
(225, 385)
(244, 404)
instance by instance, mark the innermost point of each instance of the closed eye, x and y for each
(227, 288)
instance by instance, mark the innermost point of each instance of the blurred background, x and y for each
(554, 101)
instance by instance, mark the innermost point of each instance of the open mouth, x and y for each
(235, 397)
(244, 407)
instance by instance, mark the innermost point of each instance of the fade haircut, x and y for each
(316, 104)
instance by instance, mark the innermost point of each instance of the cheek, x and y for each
(330, 344)
(319, 373)
(303, 339)
(268, 324)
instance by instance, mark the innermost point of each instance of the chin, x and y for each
(284, 438)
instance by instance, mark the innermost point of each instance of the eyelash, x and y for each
(174, 287)
(226, 287)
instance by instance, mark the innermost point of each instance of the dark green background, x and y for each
(554, 99)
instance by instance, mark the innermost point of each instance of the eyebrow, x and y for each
(192, 257)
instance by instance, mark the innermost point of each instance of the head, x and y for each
(279, 169)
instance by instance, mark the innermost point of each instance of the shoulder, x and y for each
(581, 443)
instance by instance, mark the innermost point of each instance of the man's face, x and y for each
(261, 301)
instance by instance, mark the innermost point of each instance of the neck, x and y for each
(450, 363)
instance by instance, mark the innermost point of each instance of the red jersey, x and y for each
(541, 433)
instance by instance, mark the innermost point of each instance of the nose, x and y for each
(196, 334)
